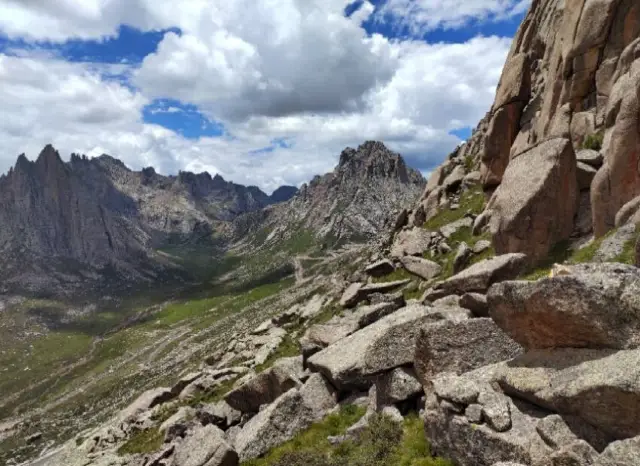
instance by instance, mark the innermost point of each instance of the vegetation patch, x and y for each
(593, 141)
(383, 443)
(471, 201)
(143, 441)
(288, 348)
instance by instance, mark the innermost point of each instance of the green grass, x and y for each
(469, 163)
(462, 235)
(144, 441)
(472, 201)
(397, 275)
(593, 141)
(288, 348)
(383, 443)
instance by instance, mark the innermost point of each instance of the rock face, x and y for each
(560, 312)
(534, 206)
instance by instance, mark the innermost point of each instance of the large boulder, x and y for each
(479, 277)
(290, 414)
(265, 387)
(423, 268)
(320, 336)
(461, 347)
(382, 346)
(395, 386)
(357, 292)
(590, 305)
(602, 387)
(534, 206)
(205, 446)
(412, 242)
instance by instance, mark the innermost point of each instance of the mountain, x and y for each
(356, 202)
(65, 225)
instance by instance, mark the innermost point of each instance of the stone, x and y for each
(502, 132)
(479, 277)
(481, 246)
(454, 180)
(452, 228)
(601, 387)
(398, 385)
(448, 301)
(411, 242)
(351, 295)
(423, 268)
(462, 257)
(264, 327)
(534, 206)
(185, 381)
(590, 157)
(205, 446)
(291, 413)
(382, 346)
(578, 453)
(628, 213)
(585, 174)
(313, 307)
(219, 414)
(476, 303)
(495, 410)
(380, 269)
(555, 432)
(560, 312)
(397, 299)
(358, 293)
(614, 244)
(472, 178)
(460, 347)
(474, 413)
(266, 386)
(178, 424)
(456, 390)
(621, 453)
(392, 413)
(146, 401)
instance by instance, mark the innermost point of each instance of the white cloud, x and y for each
(421, 16)
(301, 71)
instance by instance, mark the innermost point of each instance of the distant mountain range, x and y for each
(70, 226)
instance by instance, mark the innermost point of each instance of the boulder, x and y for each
(481, 246)
(476, 303)
(452, 228)
(178, 424)
(534, 206)
(398, 385)
(280, 421)
(621, 453)
(601, 387)
(448, 301)
(590, 305)
(462, 257)
(585, 174)
(412, 242)
(615, 243)
(357, 293)
(146, 401)
(628, 213)
(590, 157)
(320, 336)
(384, 345)
(265, 387)
(205, 446)
(313, 307)
(380, 269)
(454, 180)
(219, 414)
(479, 277)
(460, 347)
(423, 268)
(185, 381)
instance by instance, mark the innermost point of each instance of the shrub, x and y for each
(593, 141)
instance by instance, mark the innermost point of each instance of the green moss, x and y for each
(288, 348)
(471, 201)
(593, 141)
(144, 441)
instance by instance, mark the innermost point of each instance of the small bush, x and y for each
(593, 141)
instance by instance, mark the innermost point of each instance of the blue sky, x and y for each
(152, 66)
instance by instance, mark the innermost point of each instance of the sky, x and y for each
(262, 92)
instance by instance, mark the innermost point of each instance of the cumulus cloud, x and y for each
(267, 70)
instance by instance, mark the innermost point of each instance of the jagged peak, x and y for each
(106, 159)
(49, 156)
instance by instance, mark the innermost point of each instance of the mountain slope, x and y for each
(354, 203)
